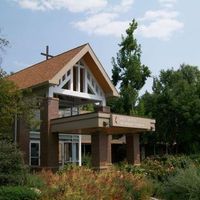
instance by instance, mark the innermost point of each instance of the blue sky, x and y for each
(168, 30)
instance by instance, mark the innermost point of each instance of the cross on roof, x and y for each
(47, 53)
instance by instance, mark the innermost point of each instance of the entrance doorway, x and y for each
(68, 153)
(69, 149)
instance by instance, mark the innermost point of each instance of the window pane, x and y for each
(75, 78)
(67, 152)
(82, 80)
(34, 154)
(35, 161)
(34, 150)
(67, 85)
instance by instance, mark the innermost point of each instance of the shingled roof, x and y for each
(44, 71)
(49, 71)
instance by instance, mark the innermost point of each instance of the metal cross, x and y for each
(47, 53)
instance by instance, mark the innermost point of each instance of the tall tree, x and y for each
(13, 102)
(175, 103)
(128, 72)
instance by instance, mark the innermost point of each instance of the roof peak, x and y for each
(43, 61)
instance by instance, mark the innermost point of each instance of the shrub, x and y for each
(83, 183)
(17, 193)
(160, 168)
(184, 185)
(12, 168)
(34, 181)
(87, 161)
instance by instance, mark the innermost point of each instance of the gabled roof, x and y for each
(49, 71)
(43, 71)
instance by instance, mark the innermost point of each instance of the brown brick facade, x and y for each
(49, 141)
(23, 138)
(133, 148)
(101, 150)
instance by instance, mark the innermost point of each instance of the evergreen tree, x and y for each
(128, 72)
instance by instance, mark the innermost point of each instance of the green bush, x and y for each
(12, 168)
(160, 168)
(34, 181)
(195, 158)
(17, 193)
(184, 185)
(87, 161)
(134, 169)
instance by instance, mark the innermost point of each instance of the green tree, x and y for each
(175, 104)
(128, 72)
(13, 102)
(12, 168)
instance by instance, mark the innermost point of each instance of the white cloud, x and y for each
(158, 14)
(161, 28)
(74, 5)
(102, 24)
(106, 22)
(124, 6)
(167, 3)
(161, 24)
(101, 16)
(71, 5)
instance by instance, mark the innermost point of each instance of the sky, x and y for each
(168, 30)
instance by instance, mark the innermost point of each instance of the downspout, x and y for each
(80, 152)
(15, 131)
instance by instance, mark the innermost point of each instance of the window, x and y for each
(67, 85)
(90, 90)
(68, 72)
(93, 82)
(82, 80)
(63, 78)
(88, 76)
(75, 78)
(97, 89)
(68, 152)
(34, 153)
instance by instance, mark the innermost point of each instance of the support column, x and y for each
(23, 138)
(49, 141)
(133, 149)
(101, 151)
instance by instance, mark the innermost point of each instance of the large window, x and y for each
(68, 153)
(68, 149)
(34, 153)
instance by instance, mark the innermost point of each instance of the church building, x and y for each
(64, 84)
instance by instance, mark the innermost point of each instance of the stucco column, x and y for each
(49, 141)
(133, 148)
(101, 150)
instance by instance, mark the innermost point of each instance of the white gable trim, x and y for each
(72, 62)
(96, 60)
(86, 87)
